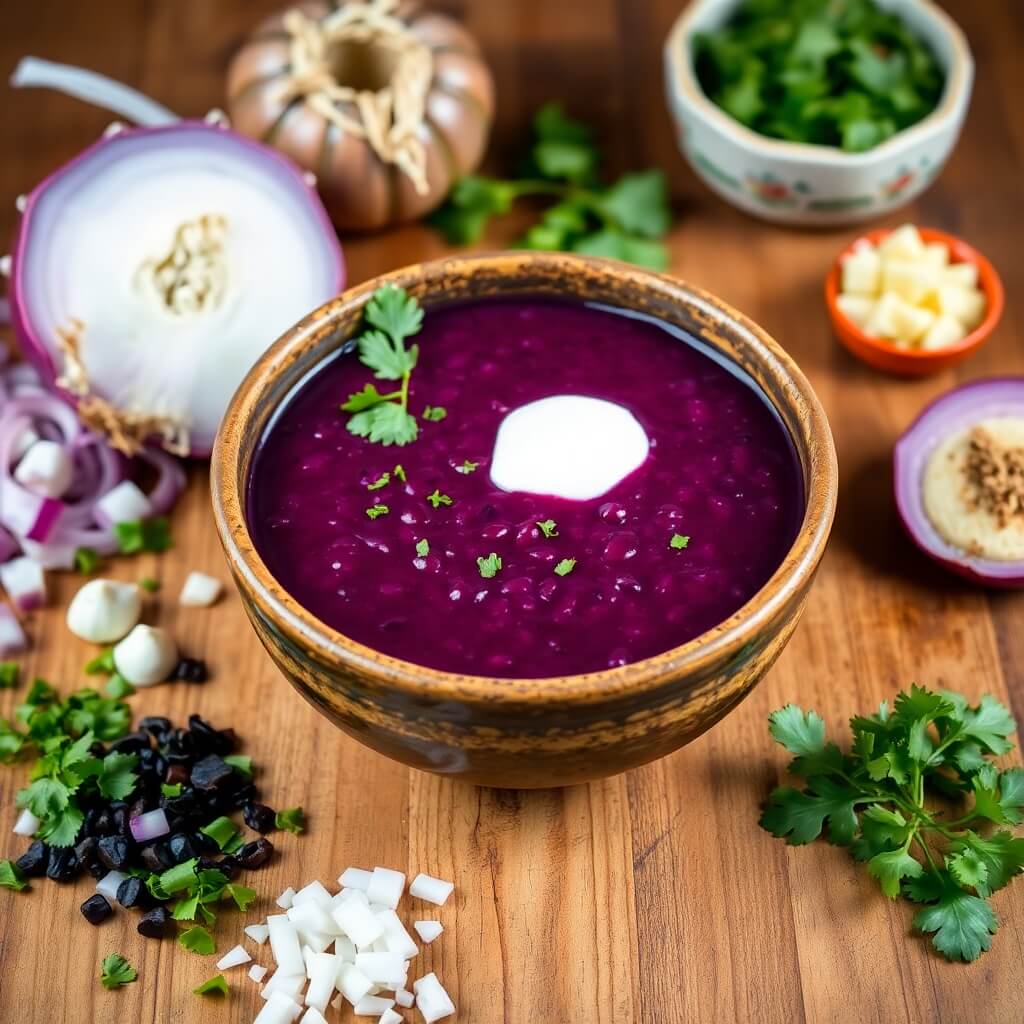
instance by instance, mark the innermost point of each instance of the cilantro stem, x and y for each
(927, 853)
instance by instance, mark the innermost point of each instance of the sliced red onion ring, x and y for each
(954, 411)
(211, 246)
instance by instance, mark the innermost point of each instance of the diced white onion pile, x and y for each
(349, 946)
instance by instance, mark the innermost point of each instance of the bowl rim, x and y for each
(726, 639)
(686, 88)
(989, 281)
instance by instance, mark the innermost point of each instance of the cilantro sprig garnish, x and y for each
(115, 971)
(874, 801)
(565, 566)
(678, 542)
(548, 527)
(489, 566)
(291, 819)
(437, 499)
(625, 220)
(392, 316)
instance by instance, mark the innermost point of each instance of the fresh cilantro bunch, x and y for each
(392, 315)
(625, 220)
(874, 800)
(196, 889)
(831, 72)
(61, 733)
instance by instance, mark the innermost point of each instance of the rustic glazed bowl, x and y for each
(526, 732)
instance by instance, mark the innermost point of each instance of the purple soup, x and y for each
(721, 471)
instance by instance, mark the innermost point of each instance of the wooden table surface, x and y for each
(649, 897)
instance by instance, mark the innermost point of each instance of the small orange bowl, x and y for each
(885, 355)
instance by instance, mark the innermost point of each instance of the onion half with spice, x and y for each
(952, 414)
(150, 272)
(386, 104)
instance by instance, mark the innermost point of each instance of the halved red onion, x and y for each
(150, 272)
(954, 411)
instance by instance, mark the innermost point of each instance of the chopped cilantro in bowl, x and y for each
(840, 73)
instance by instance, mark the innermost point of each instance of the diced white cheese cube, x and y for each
(353, 984)
(428, 930)
(259, 933)
(961, 275)
(355, 878)
(897, 320)
(936, 254)
(861, 272)
(966, 304)
(856, 308)
(903, 243)
(945, 331)
(386, 887)
(233, 958)
(431, 999)
(911, 280)
(433, 890)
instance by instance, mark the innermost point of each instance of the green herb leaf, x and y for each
(399, 474)
(385, 424)
(467, 467)
(434, 413)
(382, 481)
(198, 939)
(186, 908)
(116, 971)
(291, 819)
(489, 566)
(118, 686)
(182, 876)
(565, 566)
(423, 548)
(143, 535)
(963, 924)
(243, 896)
(638, 203)
(9, 671)
(170, 789)
(678, 541)
(216, 986)
(221, 830)
(149, 584)
(86, 560)
(11, 877)
(891, 867)
(118, 776)
(437, 498)
(102, 663)
(800, 816)
(395, 312)
(376, 511)
(548, 527)
(367, 398)
(242, 764)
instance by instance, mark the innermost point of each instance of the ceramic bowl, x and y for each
(526, 732)
(909, 362)
(795, 183)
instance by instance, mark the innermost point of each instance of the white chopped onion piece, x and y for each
(403, 997)
(200, 590)
(23, 580)
(26, 438)
(110, 883)
(123, 503)
(352, 983)
(45, 469)
(355, 878)
(428, 930)
(12, 636)
(307, 956)
(433, 890)
(312, 918)
(146, 656)
(286, 898)
(396, 938)
(104, 611)
(372, 1006)
(358, 922)
(257, 972)
(431, 999)
(149, 826)
(280, 1009)
(386, 887)
(317, 941)
(290, 984)
(27, 824)
(389, 1016)
(380, 945)
(284, 944)
(233, 958)
(345, 948)
(313, 1016)
(315, 892)
(259, 933)
(323, 973)
(388, 969)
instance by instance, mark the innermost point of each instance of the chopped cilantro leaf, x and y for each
(216, 986)
(221, 830)
(434, 413)
(437, 498)
(382, 481)
(548, 527)
(489, 566)
(118, 686)
(467, 467)
(11, 877)
(117, 776)
(197, 940)
(423, 547)
(170, 788)
(149, 584)
(376, 511)
(243, 896)
(678, 542)
(115, 971)
(565, 566)
(291, 819)
(143, 535)
(399, 474)
(9, 671)
(102, 663)
(86, 560)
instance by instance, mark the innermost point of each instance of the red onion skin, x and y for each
(33, 346)
(909, 444)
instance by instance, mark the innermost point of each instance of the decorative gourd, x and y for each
(385, 104)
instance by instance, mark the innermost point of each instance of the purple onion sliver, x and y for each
(46, 519)
(149, 826)
(12, 636)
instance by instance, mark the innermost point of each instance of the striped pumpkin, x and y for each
(360, 190)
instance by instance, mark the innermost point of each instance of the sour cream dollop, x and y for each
(567, 446)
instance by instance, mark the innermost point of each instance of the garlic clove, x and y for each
(104, 611)
(147, 655)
